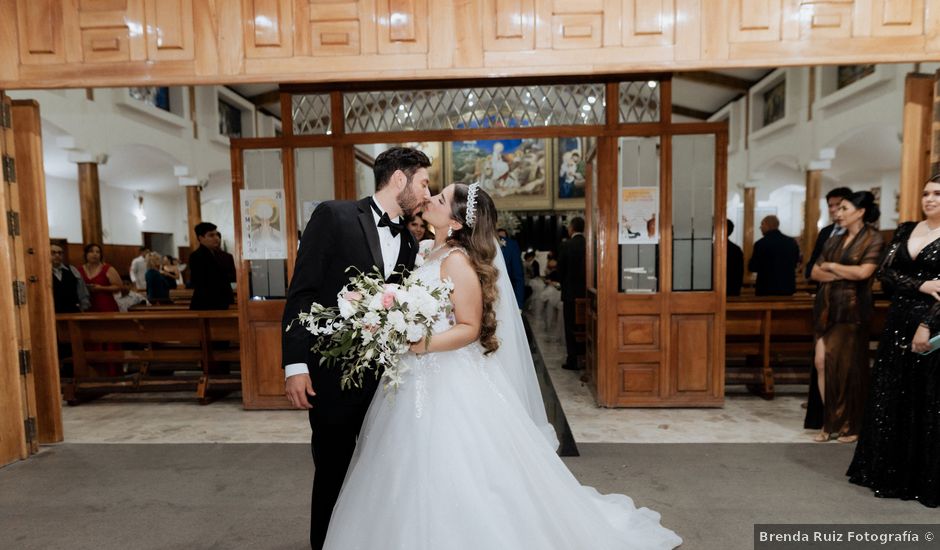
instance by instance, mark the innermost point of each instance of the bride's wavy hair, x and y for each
(479, 241)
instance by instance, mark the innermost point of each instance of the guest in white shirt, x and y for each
(138, 269)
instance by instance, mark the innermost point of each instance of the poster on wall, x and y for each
(263, 235)
(638, 208)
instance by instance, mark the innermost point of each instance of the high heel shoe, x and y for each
(846, 438)
(822, 437)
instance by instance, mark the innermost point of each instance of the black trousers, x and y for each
(332, 444)
(571, 345)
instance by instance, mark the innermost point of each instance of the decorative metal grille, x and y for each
(310, 114)
(639, 101)
(493, 107)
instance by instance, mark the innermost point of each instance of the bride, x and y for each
(455, 458)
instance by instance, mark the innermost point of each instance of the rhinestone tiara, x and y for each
(471, 216)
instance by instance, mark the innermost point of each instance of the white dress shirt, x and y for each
(390, 247)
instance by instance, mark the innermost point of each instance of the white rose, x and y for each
(371, 318)
(397, 321)
(346, 309)
(415, 332)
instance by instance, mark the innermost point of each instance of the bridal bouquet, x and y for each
(374, 324)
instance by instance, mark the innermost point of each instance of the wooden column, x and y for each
(34, 227)
(89, 198)
(811, 211)
(194, 213)
(915, 144)
(750, 200)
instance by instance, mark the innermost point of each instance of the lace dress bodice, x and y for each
(430, 272)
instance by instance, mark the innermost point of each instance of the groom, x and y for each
(367, 234)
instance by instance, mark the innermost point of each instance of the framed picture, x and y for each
(775, 99)
(513, 171)
(571, 177)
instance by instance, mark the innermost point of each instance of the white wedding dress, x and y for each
(452, 460)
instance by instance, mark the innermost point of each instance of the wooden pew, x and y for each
(180, 338)
(777, 331)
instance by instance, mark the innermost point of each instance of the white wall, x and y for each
(861, 124)
(143, 145)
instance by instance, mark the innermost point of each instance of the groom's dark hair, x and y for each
(406, 159)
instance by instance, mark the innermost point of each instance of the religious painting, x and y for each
(230, 120)
(775, 100)
(572, 160)
(513, 171)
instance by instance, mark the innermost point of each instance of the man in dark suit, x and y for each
(212, 271)
(775, 259)
(735, 276)
(833, 200)
(573, 284)
(368, 234)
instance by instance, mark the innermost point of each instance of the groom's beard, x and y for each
(408, 201)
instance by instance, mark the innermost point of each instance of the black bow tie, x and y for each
(394, 227)
(385, 221)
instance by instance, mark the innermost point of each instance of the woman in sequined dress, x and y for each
(898, 453)
(843, 311)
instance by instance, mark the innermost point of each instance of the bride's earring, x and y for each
(450, 232)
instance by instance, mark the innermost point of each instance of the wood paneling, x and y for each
(693, 338)
(108, 43)
(649, 23)
(268, 28)
(30, 178)
(12, 403)
(915, 144)
(508, 25)
(170, 33)
(402, 26)
(638, 332)
(40, 26)
(639, 379)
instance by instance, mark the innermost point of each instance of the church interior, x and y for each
(673, 139)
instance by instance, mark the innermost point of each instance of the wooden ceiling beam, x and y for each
(690, 112)
(267, 98)
(716, 79)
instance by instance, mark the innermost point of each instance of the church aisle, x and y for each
(255, 496)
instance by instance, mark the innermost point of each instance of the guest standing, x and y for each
(212, 271)
(102, 281)
(419, 228)
(898, 453)
(573, 285)
(843, 312)
(814, 406)
(775, 259)
(69, 293)
(138, 269)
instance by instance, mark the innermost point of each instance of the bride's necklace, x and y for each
(436, 248)
(929, 229)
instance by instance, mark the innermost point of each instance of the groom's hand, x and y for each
(297, 388)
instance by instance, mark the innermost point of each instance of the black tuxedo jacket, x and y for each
(340, 234)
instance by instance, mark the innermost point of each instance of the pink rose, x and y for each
(388, 299)
(352, 296)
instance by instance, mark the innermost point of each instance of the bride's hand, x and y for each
(921, 341)
(418, 347)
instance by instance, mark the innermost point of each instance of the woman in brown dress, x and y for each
(843, 311)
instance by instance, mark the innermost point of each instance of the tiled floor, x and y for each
(150, 418)
(745, 418)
